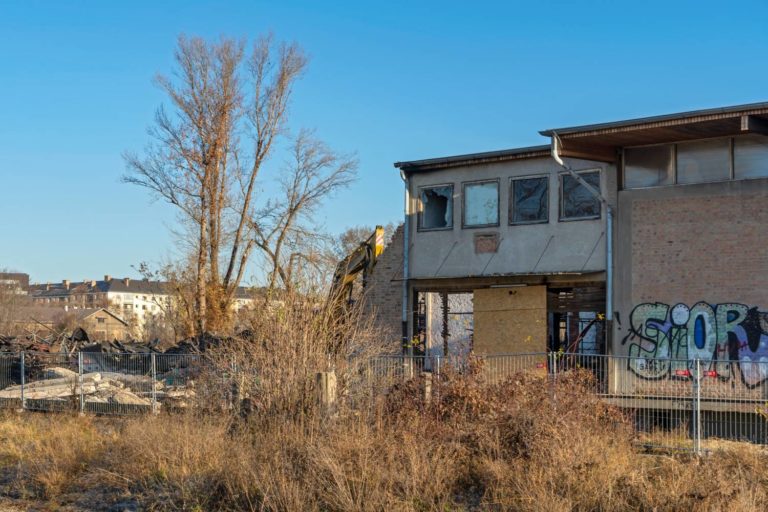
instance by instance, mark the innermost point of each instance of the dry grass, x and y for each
(513, 445)
(505, 447)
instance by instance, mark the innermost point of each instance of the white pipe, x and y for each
(406, 246)
(556, 145)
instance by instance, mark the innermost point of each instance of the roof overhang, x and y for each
(432, 164)
(602, 142)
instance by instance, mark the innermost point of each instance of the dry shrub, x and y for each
(286, 344)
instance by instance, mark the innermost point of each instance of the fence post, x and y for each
(23, 371)
(80, 381)
(697, 407)
(154, 382)
(553, 371)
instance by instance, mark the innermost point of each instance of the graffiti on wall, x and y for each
(663, 339)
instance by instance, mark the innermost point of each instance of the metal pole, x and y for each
(556, 145)
(697, 409)
(407, 345)
(23, 400)
(80, 380)
(154, 383)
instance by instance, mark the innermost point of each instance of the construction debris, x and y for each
(62, 384)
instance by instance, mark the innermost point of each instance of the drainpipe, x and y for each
(406, 247)
(556, 145)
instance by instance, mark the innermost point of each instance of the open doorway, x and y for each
(576, 320)
(444, 324)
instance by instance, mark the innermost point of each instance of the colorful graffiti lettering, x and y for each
(665, 339)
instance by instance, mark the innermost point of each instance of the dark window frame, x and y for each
(511, 205)
(420, 208)
(560, 209)
(464, 185)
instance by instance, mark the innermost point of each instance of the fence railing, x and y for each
(97, 382)
(672, 403)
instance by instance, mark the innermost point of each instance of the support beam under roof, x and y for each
(752, 124)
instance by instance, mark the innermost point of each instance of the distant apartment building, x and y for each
(16, 282)
(137, 300)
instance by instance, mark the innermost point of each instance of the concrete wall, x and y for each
(692, 273)
(556, 246)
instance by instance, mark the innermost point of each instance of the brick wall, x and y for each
(700, 248)
(383, 296)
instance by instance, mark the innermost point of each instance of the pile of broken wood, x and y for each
(63, 385)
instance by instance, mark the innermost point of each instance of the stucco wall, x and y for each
(557, 246)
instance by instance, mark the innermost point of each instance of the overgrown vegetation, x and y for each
(508, 446)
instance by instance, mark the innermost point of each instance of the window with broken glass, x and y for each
(481, 204)
(436, 210)
(576, 201)
(529, 200)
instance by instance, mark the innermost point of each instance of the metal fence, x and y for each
(97, 382)
(671, 403)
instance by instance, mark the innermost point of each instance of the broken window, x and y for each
(436, 207)
(576, 202)
(481, 204)
(529, 200)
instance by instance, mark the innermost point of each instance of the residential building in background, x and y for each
(15, 282)
(136, 301)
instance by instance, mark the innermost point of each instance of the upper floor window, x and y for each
(702, 161)
(750, 156)
(529, 200)
(649, 166)
(576, 201)
(481, 204)
(436, 211)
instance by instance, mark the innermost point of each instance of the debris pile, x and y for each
(79, 341)
(63, 385)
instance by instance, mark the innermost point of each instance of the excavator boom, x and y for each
(361, 260)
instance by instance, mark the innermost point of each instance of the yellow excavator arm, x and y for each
(361, 260)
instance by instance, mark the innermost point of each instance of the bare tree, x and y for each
(228, 108)
(283, 229)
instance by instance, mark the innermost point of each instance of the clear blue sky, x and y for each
(390, 80)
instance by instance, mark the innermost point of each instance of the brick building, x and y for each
(673, 256)
(383, 294)
(139, 301)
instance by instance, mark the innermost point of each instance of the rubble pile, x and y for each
(113, 372)
(62, 384)
(79, 341)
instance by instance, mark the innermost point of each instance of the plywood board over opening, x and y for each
(510, 320)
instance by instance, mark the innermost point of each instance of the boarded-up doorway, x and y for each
(510, 320)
